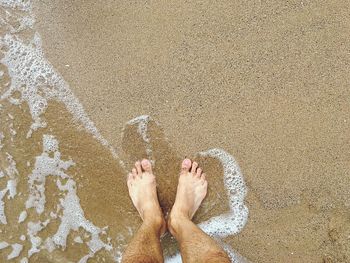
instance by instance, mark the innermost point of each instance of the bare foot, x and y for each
(143, 193)
(191, 190)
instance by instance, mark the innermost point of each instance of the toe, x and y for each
(134, 172)
(199, 172)
(194, 167)
(138, 167)
(186, 165)
(203, 177)
(146, 165)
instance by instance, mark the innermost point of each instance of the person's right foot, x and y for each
(142, 190)
(191, 190)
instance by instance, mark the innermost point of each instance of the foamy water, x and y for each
(35, 83)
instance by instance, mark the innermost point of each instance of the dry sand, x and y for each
(268, 82)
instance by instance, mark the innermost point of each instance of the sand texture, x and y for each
(266, 81)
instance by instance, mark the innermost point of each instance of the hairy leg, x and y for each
(195, 245)
(145, 246)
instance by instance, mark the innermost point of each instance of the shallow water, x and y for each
(274, 94)
(64, 196)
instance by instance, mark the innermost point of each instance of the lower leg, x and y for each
(145, 246)
(195, 245)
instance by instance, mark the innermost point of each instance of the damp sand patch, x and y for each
(58, 172)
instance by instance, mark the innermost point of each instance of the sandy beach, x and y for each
(267, 82)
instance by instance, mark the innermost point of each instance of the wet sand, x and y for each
(267, 82)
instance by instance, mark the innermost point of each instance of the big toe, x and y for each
(186, 165)
(146, 165)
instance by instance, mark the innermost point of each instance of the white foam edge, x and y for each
(24, 5)
(45, 166)
(2, 137)
(16, 250)
(3, 219)
(11, 186)
(78, 240)
(72, 217)
(142, 122)
(21, 58)
(22, 216)
(62, 93)
(3, 244)
(233, 221)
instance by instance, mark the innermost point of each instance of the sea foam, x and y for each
(72, 217)
(38, 83)
(219, 226)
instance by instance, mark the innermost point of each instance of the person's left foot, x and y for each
(143, 192)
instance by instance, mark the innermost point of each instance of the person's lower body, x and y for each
(195, 245)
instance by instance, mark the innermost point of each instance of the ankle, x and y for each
(156, 221)
(176, 221)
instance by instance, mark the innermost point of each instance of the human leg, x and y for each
(145, 246)
(195, 245)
